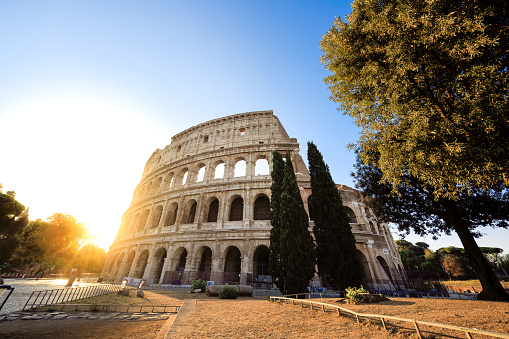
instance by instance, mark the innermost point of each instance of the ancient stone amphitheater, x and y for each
(201, 210)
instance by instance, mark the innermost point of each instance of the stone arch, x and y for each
(219, 169)
(385, 267)
(351, 215)
(128, 264)
(200, 173)
(212, 210)
(205, 263)
(181, 178)
(156, 217)
(148, 189)
(237, 208)
(261, 265)
(261, 207)
(157, 185)
(188, 217)
(143, 220)
(177, 275)
(366, 275)
(169, 180)
(171, 215)
(118, 265)
(134, 223)
(262, 166)
(240, 168)
(141, 264)
(232, 264)
(158, 264)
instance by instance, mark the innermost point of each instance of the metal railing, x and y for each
(383, 318)
(50, 297)
(110, 308)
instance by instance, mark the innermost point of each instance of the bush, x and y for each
(353, 294)
(198, 285)
(228, 292)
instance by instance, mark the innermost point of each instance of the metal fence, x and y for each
(50, 297)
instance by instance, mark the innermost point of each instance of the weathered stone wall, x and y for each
(188, 221)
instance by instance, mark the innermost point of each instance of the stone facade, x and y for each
(201, 210)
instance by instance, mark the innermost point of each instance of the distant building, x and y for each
(201, 210)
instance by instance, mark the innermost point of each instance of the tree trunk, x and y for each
(491, 287)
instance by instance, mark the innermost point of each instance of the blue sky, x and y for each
(89, 89)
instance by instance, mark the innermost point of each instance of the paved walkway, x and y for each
(83, 315)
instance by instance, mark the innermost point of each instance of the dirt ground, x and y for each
(258, 318)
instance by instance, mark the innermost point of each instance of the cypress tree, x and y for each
(335, 242)
(275, 267)
(297, 250)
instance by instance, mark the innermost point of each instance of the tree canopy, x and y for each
(13, 219)
(415, 208)
(428, 84)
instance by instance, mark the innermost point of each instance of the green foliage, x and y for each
(13, 219)
(428, 84)
(90, 259)
(416, 208)
(292, 258)
(228, 292)
(198, 285)
(353, 294)
(335, 243)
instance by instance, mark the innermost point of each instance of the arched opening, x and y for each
(205, 264)
(262, 167)
(232, 265)
(184, 177)
(189, 212)
(157, 185)
(213, 211)
(385, 267)
(261, 265)
(206, 139)
(156, 218)
(242, 131)
(141, 265)
(366, 277)
(262, 208)
(310, 207)
(372, 228)
(237, 209)
(176, 276)
(159, 259)
(149, 188)
(171, 215)
(128, 265)
(201, 174)
(351, 215)
(240, 169)
(143, 220)
(117, 265)
(169, 180)
(219, 171)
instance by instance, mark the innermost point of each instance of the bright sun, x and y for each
(78, 156)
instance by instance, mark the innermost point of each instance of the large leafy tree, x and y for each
(415, 208)
(296, 264)
(428, 84)
(335, 243)
(13, 219)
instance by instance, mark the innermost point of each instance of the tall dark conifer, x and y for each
(275, 266)
(335, 242)
(297, 250)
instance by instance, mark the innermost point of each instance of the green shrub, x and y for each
(228, 292)
(198, 285)
(353, 294)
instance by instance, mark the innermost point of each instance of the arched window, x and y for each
(213, 211)
(192, 213)
(242, 131)
(201, 174)
(169, 180)
(232, 265)
(171, 216)
(206, 138)
(240, 169)
(143, 220)
(157, 185)
(262, 167)
(156, 218)
(351, 215)
(237, 210)
(219, 171)
(262, 208)
(261, 265)
(184, 178)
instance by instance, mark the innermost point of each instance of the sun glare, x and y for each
(78, 156)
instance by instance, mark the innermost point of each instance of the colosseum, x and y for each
(201, 210)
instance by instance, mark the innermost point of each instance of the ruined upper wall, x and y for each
(239, 130)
